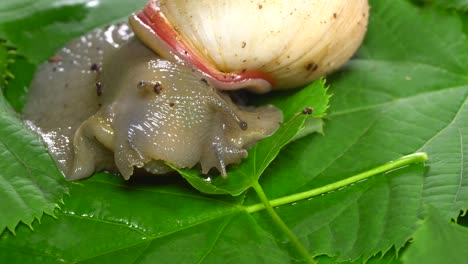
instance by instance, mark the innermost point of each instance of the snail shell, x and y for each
(261, 45)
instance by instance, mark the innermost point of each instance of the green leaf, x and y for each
(291, 102)
(158, 220)
(11, 65)
(30, 182)
(397, 96)
(390, 257)
(3, 65)
(461, 5)
(39, 28)
(438, 241)
(359, 220)
(243, 176)
(7, 58)
(16, 88)
(405, 91)
(455, 4)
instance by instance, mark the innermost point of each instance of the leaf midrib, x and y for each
(462, 158)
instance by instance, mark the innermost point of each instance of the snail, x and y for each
(111, 104)
(262, 45)
(150, 93)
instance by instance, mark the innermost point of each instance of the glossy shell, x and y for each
(262, 44)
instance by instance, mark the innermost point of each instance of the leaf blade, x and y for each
(437, 241)
(241, 177)
(31, 184)
(387, 102)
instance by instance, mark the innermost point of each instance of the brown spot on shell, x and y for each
(312, 66)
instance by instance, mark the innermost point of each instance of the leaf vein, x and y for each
(69, 214)
(30, 251)
(462, 158)
(221, 230)
(372, 106)
(454, 119)
(207, 198)
(138, 259)
(111, 251)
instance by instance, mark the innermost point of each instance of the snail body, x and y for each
(136, 110)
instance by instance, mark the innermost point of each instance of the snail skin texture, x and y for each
(106, 102)
(262, 45)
